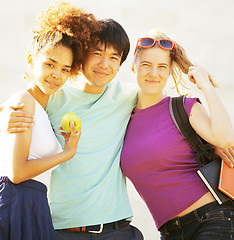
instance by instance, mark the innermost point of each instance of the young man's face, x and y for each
(100, 67)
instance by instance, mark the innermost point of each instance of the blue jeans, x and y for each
(127, 232)
(209, 222)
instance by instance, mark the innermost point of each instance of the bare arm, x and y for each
(23, 169)
(216, 128)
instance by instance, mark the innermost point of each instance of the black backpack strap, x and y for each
(181, 120)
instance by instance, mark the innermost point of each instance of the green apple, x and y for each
(65, 121)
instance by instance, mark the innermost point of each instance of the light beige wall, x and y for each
(203, 27)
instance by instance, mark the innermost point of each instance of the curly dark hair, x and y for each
(66, 24)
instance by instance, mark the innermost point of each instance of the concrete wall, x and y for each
(203, 27)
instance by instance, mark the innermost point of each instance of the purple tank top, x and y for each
(160, 163)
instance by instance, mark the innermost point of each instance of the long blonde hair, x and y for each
(179, 61)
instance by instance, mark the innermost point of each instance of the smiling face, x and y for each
(101, 66)
(152, 69)
(51, 68)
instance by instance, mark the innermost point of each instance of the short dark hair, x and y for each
(112, 33)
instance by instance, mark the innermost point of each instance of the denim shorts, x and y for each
(209, 222)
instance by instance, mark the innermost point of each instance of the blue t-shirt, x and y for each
(90, 188)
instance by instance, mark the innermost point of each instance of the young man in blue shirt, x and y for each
(88, 194)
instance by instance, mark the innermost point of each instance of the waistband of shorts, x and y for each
(29, 184)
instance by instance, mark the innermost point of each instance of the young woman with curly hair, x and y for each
(62, 36)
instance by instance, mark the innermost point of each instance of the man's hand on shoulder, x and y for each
(14, 120)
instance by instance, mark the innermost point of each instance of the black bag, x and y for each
(209, 163)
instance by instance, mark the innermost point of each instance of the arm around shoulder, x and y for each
(23, 168)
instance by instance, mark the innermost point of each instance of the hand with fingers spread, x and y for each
(71, 139)
(227, 155)
(14, 120)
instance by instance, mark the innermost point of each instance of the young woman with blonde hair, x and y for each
(158, 159)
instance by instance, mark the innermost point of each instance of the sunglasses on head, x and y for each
(148, 42)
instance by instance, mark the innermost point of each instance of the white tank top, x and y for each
(44, 142)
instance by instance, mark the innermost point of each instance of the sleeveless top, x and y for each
(43, 144)
(160, 162)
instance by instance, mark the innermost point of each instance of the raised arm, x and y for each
(216, 127)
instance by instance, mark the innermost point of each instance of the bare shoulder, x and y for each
(197, 109)
(199, 118)
(21, 97)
